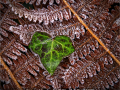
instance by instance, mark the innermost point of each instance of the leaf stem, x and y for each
(10, 73)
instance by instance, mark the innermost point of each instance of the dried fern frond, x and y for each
(45, 15)
(38, 2)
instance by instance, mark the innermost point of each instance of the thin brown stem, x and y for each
(10, 73)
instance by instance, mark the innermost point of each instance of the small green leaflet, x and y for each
(51, 51)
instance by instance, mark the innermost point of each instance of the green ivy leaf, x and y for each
(51, 51)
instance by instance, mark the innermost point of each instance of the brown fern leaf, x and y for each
(38, 2)
(48, 15)
(105, 79)
(113, 1)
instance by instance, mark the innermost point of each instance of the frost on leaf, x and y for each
(51, 51)
(51, 2)
(45, 15)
